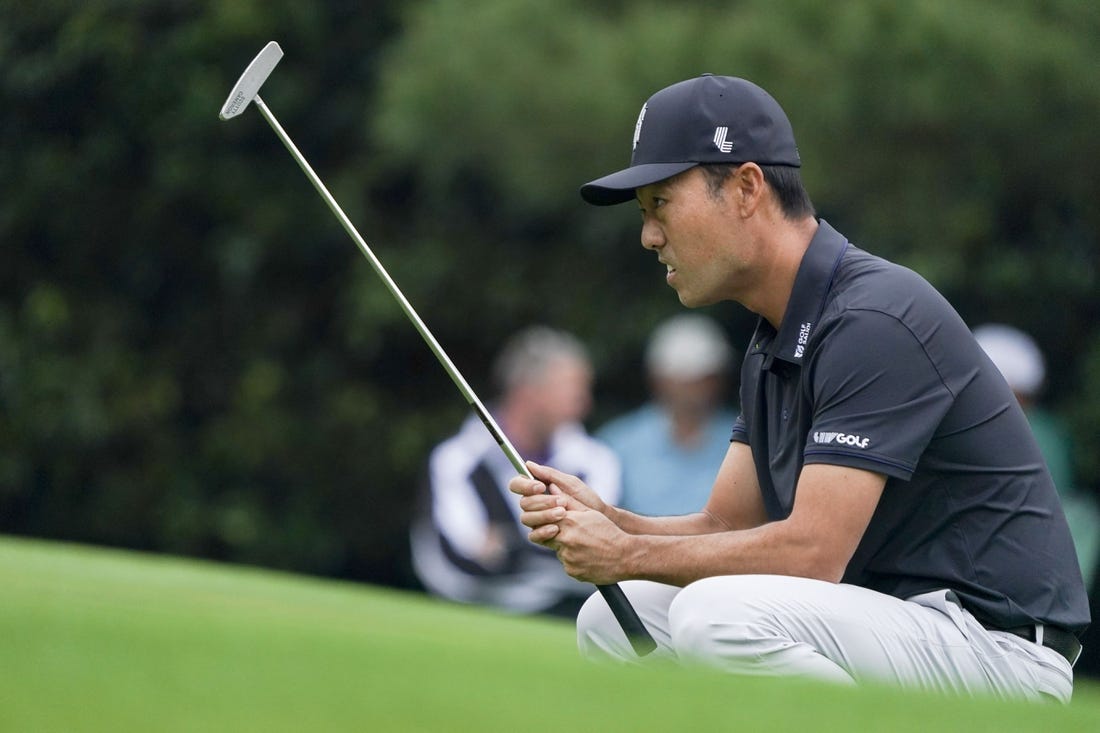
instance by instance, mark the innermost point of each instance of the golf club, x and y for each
(246, 91)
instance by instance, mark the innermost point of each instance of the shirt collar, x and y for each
(811, 285)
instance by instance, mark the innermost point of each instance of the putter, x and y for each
(245, 92)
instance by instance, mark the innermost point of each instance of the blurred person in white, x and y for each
(672, 446)
(467, 543)
(1021, 362)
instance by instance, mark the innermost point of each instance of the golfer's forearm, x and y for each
(684, 525)
(679, 560)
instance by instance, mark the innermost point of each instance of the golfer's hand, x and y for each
(571, 521)
(545, 500)
(590, 547)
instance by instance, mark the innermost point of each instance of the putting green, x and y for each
(102, 640)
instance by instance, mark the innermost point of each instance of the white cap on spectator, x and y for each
(1015, 354)
(688, 346)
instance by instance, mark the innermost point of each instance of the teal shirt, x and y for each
(1053, 441)
(1082, 512)
(661, 478)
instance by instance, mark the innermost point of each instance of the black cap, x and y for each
(709, 119)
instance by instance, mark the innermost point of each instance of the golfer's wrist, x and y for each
(632, 556)
(625, 520)
(613, 513)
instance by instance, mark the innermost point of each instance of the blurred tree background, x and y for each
(195, 359)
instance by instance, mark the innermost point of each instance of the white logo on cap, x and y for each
(720, 141)
(638, 126)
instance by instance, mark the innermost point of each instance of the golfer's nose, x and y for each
(652, 236)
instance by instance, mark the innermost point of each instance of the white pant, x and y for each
(778, 625)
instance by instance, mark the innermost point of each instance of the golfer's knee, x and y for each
(712, 617)
(689, 622)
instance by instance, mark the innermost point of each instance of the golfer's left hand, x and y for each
(546, 498)
(563, 484)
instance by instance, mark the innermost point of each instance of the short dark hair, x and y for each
(784, 180)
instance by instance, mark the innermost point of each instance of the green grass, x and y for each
(98, 640)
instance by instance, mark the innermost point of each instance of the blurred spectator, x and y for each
(467, 542)
(1020, 360)
(671, 447)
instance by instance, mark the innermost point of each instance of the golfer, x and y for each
(883, 513)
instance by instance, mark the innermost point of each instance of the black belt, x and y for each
(1052, 637)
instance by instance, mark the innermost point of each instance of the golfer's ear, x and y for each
(748, 188)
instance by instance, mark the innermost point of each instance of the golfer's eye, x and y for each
(651, 206)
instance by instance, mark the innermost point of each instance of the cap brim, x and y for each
(618, 188)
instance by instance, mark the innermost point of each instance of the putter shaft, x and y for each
(448, 365)
(247, 90)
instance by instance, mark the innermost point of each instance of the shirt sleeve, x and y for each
(877, 396)
(740, 431)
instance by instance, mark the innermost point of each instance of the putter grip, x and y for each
(639, 635)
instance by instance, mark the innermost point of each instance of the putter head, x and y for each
(246, 88)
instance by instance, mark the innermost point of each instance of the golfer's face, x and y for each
(690, 231)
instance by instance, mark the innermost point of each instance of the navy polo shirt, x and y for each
(872, 368)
